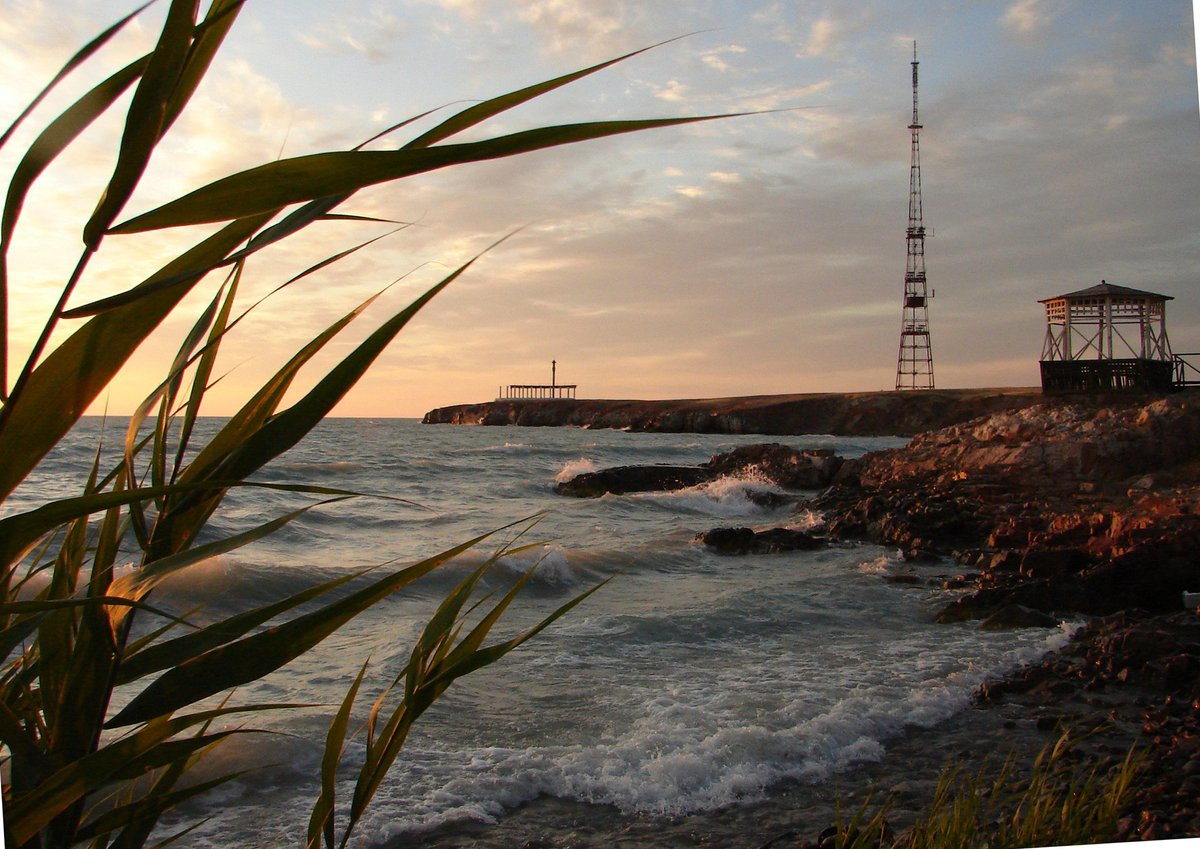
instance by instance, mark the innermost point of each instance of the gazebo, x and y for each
(1107, 338)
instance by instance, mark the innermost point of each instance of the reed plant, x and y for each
(1060, 801)
(78, 770)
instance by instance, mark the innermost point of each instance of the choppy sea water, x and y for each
(690, 689)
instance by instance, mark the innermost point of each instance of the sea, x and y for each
(694, 699)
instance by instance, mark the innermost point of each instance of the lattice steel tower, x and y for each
(914, 366)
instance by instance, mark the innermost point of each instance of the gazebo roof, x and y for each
(1105, 288)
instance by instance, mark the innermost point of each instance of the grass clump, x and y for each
(1059, 802)
(77, 770)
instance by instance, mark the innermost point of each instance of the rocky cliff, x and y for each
(845, 414)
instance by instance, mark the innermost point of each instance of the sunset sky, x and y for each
(755, 255)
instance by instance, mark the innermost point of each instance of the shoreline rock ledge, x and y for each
(886, 413)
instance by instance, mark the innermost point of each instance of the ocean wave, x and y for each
(724, 498)
(695, 747)
(321, 468)
(574, 468)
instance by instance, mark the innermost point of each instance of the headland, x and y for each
(885, 413)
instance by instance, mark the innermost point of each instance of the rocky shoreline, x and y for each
(1077, 509)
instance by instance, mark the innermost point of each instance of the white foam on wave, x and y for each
(552, 564)
(805, 520)
(724, 498)
(514, 448)
(698, 745)
(574, 468)
(328, 468)
(688, 742)
(883, 564)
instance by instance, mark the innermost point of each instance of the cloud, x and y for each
(375, 35)
(762, 254)
(822, 38)
(715, 58)
(1028, 18)
(674, 91)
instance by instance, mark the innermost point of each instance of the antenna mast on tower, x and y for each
(914, 366)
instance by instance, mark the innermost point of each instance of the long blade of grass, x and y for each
(156, 570)
(252, 657)
(204, 369)
(462, 660)
(57, 136)
(75, 61)
(208, 38)
(320, 823)
(26, 814)
(256, 435)
(305, 178)
(159, 656)
(33, 611)
(58, 391)
(147, 118)
(141, 815)
(181, 519)
(122, 298)
(288, 427)
(18, 532)
(480, 112)
(135, 834)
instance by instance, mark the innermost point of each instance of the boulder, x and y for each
(1018, 616)
(771, 463)
(778, 464)
(625, 479)
(749, 541)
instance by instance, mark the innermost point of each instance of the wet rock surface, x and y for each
(771, 463)
(750, 541)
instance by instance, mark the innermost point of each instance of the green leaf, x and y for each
(252, 657)
(182, 518)
(208, 38)
(28, 813)
(49, 144)
(204, 369)
(480, 112)
(159, 656)
(59, 390)
(144, 813)
(287, 428)
(147, 118)
(305, 178)
(432, 679)
(320, 823)
(75, 61)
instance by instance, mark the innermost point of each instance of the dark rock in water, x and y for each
(771, 463)
(624, 479)
(904, 578)
(749, 541)
(780, 465)
(1016, 616)
(771, 500)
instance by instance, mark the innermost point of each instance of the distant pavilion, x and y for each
(551, 390)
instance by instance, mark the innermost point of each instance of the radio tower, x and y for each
(914, 366)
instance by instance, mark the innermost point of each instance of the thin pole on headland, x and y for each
(553, 370)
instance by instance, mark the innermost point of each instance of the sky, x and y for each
(762, 254)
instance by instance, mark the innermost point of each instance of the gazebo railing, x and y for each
(1187, 373)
